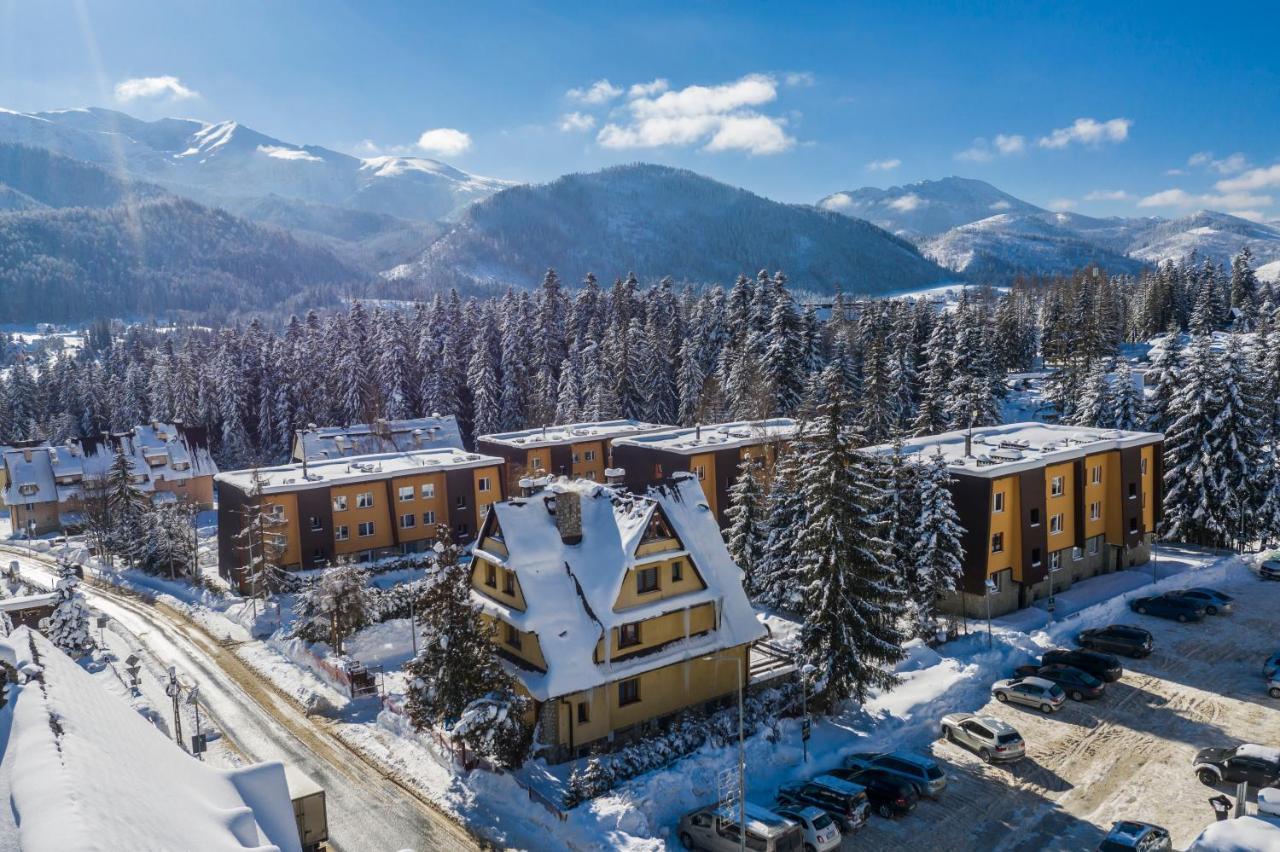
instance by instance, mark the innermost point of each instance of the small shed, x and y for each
(30, 610)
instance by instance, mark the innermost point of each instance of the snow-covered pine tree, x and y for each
(1240, 454)
(69, 622)
(689, 384)
(333, 606)
(170, 541)
(853, 605)
(878, 408)
(898, 480)
(259, 540)
(938, 552)
(129, 508)
(1127, 403)
(784, 355)
(1095, 407)
(1165, 376)
(935, 381)
(482, 379)
(1244, 291)
(778, 583)
(747, 534)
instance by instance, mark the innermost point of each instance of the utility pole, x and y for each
(742, 757)
(990, 589)
(194, 698)
(173, 689)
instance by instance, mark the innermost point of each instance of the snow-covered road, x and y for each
(366, 810)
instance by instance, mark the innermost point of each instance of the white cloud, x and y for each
(1228, 165)
(1175, 172)
(1266, 177)
(1227, 201)
(1010, 144)
(648, 90)
(839, 201)
(444, 141)
(1251, 215)
(1088, 131)
(799, 78)
(723, 117)
(153, 87)
(908, 202)
(978, 152)
(1001, 205)
(1107, 195)
(1199, 158)
(884, 165)
(599, 92)
(1061, 204)
(573, 122)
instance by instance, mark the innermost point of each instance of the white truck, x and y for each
(308, 809)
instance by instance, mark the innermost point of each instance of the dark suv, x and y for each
(1171, 606)
(1120, 638)
(1258, 765)
(1077, 684)
(890, 795)
(1102, 666)
(844, 802)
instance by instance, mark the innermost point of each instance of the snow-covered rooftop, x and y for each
(366, 468)
(1013, 447)
(570, 589)
(719, 436)
(421, 433)
(571, 433)
(80, 769)
(21, 602)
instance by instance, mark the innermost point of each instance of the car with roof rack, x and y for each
(924, 773)
(992, 739)
(1105, 667)
(717, 828)
(1121, 638)
(1133, 836)
(844, 802)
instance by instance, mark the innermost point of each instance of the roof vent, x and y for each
(614, 475)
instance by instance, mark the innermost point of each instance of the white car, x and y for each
(1273, 686)
(820, 831)
(988, 737)
(1046, 696)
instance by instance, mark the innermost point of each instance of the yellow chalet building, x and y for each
(614, 611)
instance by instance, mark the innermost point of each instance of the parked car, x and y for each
(1272, 665)
(923, 772)
(845, 803)
(1213, 601)
(1105, 667)
(1130, 835)
(1168, 606)
(715, 828)
(1270, 570)
(1077, 684)
(1273, 685)
(1256, 764)
(820, 831)
(1121, 638)
(991, 739)
(889, 794)
(1036, 692)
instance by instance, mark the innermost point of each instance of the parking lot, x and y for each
(1127, 755)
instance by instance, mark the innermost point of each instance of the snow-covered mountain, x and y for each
(972, 227)
(217, 162)
(656, 221)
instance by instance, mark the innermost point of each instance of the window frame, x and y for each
(1095, 474)
(427, 491)
(1057, 486)
(364, 500)
(340, 503)
(629, 635)
(412, 517)
(643, 588)
(1057, 523)
(484, 484)
(1095, 510)
(429, 518)
(491, 575)
(628, 692)
(401, 493)
(360, 533)
(997, 503)
(341, 532)
(997, 542)
(1055, 560)
(677, 570)
(511, 636)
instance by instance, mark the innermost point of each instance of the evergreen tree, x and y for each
(69, 622)
(778, 577)
(333, 606)
(747, 534)
(1127, 402)
(128, 508)
(1096, 408)
(689, 385)
(938, 552)
(1166, 375)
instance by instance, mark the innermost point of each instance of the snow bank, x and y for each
(1246, 834)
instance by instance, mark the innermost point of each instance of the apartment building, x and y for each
(613, 611)
(381, 436)
(1045, 506)
(357, 508)
(713, 454)
(578, 450)
(45, 485)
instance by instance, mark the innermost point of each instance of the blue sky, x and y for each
(1115, 108)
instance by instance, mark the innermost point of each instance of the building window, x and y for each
(1133, 525)
(628, 635)
(365, 529)
(591, 474)
(646, 580)
(428, 491)
(483, 484)
(428, 518)
(535, 462)
(997, 543)
(1035, 517)
(1055, 487)
(677, 571)
(999, 502)
(1035, 557)
(700, 471)
(463, 529)
(628, 692)
(512, 637)
(460, 502)
(1095, 510)
(575, 458)
(1093, 546)
(409, 521)
(509, 582)
(491, 575)
(1095, 474)
(589, 455)
(1142, 466)
(341, 533)
(364, 500)
(584, 712)
(1055, 561)
(340, 503)
(277, 512)
(406, 493)
(316, 524)
(1077, 553)
(1055, 524)
(1133, 490)
(657, 471)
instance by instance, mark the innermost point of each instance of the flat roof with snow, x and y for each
(571, 433)
(368, 468)
(381, 436)
(719, 436)
(1013, 447)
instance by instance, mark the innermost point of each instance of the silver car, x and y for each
(1036, 692)
(716, 828)
(820, 831)
(991, 739)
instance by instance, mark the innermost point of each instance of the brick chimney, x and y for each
(569, 516)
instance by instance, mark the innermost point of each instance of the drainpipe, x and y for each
(569, 705)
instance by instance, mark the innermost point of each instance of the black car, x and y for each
(1121, 638)
(890, 796)
(1077, 684)
(1105, 667)
(1168, 606)
(1258, 765)
(1213, 601)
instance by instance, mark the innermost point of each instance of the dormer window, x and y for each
(27, 489)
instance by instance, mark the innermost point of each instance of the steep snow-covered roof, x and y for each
(570, 589)
(358, 439)
(366, 468)
(80, 769)
(571, 433)
(719, 436)
(1013, 447)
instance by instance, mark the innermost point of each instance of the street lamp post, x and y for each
(991, 589)
(742, 759)
(173, 689)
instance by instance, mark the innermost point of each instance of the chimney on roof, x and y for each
(697, 431)
(26, 455)
(417, 438)
(569, 516)
(615, 475)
